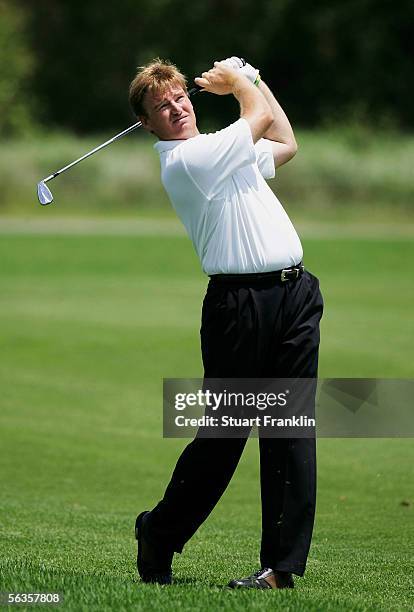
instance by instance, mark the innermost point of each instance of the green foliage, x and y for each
(336, 173)
(324, 60)
(16, 67)
(347, 168)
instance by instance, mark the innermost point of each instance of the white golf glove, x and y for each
(247, 69)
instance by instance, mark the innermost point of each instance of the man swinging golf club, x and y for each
(260, 315)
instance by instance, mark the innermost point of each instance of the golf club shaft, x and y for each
(105, 144)
(131, 128)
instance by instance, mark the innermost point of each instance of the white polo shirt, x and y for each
(216, 184)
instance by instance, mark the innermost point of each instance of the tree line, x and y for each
(68, 64)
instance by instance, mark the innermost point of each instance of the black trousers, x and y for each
(253, 328)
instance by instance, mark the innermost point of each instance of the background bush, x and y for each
(327, 61)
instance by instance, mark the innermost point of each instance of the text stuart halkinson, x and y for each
(258, 421)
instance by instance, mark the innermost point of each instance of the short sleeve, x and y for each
(210, 159)
(265, 159)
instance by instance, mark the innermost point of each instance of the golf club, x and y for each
(43, 192)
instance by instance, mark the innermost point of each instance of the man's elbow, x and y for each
(292, 148)
(284, 152)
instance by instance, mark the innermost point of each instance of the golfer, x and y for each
(260, 316)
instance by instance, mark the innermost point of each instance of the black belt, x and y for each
(287, 274)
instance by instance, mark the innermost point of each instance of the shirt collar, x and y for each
(166, 145)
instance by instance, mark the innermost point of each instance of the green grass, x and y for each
(89, 327)
(347, 172)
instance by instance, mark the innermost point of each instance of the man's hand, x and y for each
(280, 132)
(221, 80)
(247, 70)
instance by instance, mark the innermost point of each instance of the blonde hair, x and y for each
(157, 76)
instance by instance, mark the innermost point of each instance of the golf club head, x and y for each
(44, 194)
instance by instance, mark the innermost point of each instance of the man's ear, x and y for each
(146, 124)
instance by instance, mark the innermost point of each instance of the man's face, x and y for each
(170, 115)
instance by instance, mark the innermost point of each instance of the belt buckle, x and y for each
(285, 271)
(283, 276)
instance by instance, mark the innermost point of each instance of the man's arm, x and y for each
(280, 132)
(254, 107)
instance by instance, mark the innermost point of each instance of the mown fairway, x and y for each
(89, 327)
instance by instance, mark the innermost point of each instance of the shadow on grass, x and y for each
(195, 582)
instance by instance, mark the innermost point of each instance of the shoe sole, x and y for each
(259, 585)
(235, 585)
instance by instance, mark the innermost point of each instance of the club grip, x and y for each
(194, 90)
(197, 88)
